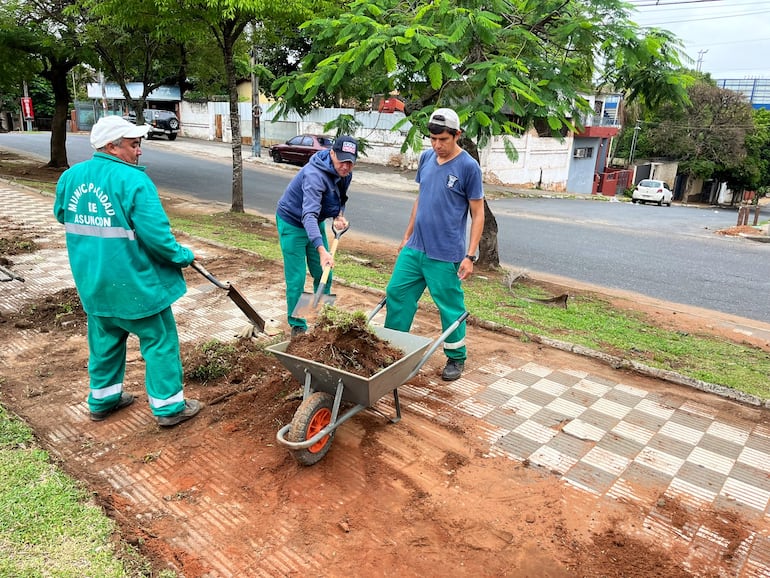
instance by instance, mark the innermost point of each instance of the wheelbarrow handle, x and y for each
(203, 271)
(434, 346)
(376, 309)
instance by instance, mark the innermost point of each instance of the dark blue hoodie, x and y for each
(316, 193)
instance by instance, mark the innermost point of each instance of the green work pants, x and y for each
(159, 345)
(413, 272)
(299, 257)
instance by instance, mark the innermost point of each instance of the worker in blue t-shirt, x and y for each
(433, 252)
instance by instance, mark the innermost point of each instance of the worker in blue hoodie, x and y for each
(127, 267)
(319, 191)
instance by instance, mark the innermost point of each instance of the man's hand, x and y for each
(465, 270)
(340, 223)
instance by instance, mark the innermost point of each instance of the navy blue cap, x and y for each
(346, 149)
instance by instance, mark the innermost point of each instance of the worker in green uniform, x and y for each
(317, 192)
(433, 252)
(127, 267)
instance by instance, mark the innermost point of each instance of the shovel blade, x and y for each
(246, 307)
(309, 304)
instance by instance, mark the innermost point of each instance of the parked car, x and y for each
(300, 148)
(161, 122)
(652, 191)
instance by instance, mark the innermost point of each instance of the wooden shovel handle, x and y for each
(332, 251)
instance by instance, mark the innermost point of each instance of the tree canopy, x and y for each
(503, 65)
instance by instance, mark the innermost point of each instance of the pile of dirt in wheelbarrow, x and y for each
(345, 341)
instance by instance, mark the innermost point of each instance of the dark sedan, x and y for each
(299, 149)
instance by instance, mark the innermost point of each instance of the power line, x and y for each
(658, 4)
(718, 17)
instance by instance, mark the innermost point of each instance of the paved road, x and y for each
(666, 253)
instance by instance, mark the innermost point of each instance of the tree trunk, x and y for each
(57, 76)
(235, 123)
(489, 257)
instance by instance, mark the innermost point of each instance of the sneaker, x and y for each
(453, 370)
(125, 400)
(297, 330)
(191, 407)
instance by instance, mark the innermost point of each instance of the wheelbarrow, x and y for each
(309, 435)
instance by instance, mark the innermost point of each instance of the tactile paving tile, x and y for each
(602, 436)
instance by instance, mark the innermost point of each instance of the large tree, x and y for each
(225, 21)
(706, 137)
(137, 42)
(503, 64)
(752, 173)
(46, 33)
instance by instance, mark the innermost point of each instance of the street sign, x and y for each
(26, 108)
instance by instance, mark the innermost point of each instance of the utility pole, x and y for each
(700, 59)
(26, 103)
(637, 128)
(256, 110)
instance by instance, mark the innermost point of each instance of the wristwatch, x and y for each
(472, 258)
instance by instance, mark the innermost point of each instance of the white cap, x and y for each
(111, 128)
(445, 117)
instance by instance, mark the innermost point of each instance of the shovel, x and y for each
(236, 296)
(309, 302)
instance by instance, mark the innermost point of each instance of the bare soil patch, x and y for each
(418, 498)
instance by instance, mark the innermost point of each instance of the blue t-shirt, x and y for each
(442, 207)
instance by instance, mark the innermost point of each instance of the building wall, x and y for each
(583, 168)
(542, 162)
(665, 172)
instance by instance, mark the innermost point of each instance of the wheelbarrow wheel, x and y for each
(313, 414)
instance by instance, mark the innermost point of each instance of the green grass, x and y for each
(593, 322)
(589, 320)
(48, 526)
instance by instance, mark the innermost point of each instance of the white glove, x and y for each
(247, 332)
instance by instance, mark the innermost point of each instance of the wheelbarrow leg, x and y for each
(398, 407)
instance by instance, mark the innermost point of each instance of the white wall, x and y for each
(542, 162)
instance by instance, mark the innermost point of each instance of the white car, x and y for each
(652, 191)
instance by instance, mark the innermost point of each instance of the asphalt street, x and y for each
(666, 253)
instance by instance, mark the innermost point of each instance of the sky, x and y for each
(727, 38)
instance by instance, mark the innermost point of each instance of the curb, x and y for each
(613, 361)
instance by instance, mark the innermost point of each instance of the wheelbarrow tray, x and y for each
(358, 389)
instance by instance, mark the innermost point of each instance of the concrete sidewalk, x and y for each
(595, 432)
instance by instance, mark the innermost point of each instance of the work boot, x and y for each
(297, 330)
(453, 370)
(191, 407)
(125, 400)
